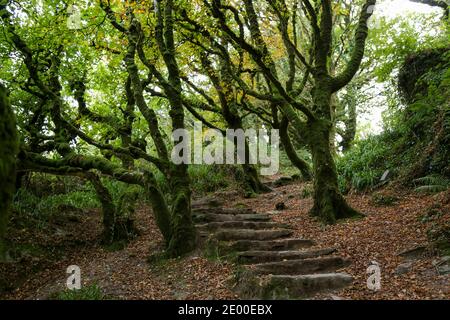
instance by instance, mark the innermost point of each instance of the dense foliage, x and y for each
(416, 144)
(98, 87)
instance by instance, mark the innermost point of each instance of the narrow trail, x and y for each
(248, 250)
(273, 264)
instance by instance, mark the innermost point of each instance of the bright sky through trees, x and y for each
(393, 8)
(371, 121)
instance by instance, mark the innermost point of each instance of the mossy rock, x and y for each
(381, 199)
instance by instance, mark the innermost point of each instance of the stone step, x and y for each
(213, 226)
(275, 266)
(207, 203)
(302, 286)
(210, 217)
(280, 245)
(232, 211)
(248, 234)
(251, 257)
(301, 267)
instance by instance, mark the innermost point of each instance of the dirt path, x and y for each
(270, 262)
(385, 232)
(127, 274)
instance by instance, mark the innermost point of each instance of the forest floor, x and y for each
(386, 231)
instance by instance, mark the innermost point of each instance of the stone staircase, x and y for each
(272, 264)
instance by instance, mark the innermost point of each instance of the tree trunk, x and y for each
(329, 203)
(349, 134)
(184, 238)
(230, 112)
(252, 182)
(118, 225)
(108, 208)
(160, 208)
(127, 129)
(347, 115)
(299, 163)
(8, 152)
(20, 176)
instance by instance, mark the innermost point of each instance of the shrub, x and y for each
(417, 141)
(432, 184)
(92, 292)
(307, 192)
(206, 179)
(41, 208)
(362, 167)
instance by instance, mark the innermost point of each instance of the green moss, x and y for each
(295, 159)
(160, 260)
(93, 292)
(416, 142)
(219, 251)
(240, 205)
(329, 203)
(184, 237)
(160, 208)
(380, 199)
(307, 192)
(8, 150)
(413, 75)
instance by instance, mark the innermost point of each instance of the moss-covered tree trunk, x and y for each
(175, 222)
(251, 183)
(127, 129)
(8, 152)
(160, 208)
(299, 163)
(329, 203)
(349, 134)
(230, 111)
(183, 238)
(108, 208)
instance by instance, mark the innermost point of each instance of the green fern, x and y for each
(432, 184)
